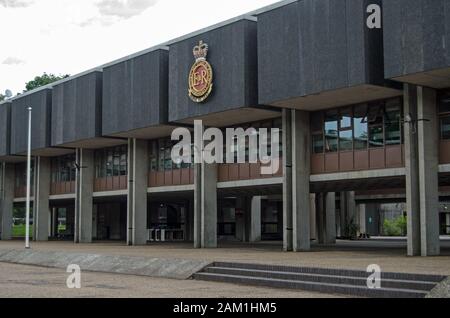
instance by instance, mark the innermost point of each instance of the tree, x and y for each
(43, 80)
(2, 97)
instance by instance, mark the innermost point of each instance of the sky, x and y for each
(72, 36)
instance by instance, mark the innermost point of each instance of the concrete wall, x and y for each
(416, 36)
(76, 109)
(232, 54)
(5, 129)
(135, 93)
(312, 46)
(41, 119)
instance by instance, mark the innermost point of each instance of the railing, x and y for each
(58, 188)
(113, 183)
(358, 160)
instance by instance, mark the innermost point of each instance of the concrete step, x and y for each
(329, 288)
(332, 271)
(321, 278)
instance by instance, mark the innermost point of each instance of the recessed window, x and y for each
(445, 128)
(360, 126)
(318, 143)
(392, 124)
(331, 131)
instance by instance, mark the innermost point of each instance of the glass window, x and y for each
(376, 137)
(318, 143)
(392, 124)
(346, 140)
(444, 102)
(445, 128)
(360, 127)
(375, 115)
(331, 131)
(316, 122)
(346, 118)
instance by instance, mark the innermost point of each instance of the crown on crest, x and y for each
(200, 51)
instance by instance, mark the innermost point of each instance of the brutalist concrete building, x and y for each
(364, 114)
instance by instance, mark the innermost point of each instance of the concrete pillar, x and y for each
(428, 140)
(41, 206)
(412, 170)
(326, 218)
(287, 180)
(6, 200)
(347, 212)
(422, 167)
(205, 197)
(240, 218)
(362, 218)
(255, 220)
(447, 223)
(137, 192)
(301, 157)
(313, 219)
(84, 189)
(343, 215)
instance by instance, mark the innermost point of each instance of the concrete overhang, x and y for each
(234, 117)
(437, 79)
(340, 97)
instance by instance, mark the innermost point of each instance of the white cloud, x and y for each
(16, 3)
(124, 8)
(69, 37)
(11, 60)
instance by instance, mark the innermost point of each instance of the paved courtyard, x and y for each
(390, 254)
(30, 281)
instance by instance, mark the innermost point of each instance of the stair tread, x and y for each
(431, 283)
(411, 291)
(340, 272)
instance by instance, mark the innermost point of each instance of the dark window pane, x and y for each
(331, 131)
(375, 116)
(444, 102)
(376, 138)
(316, 122)
(360, 127)
(318, 143)
(392, 124)
(345, 140)
(445, 128)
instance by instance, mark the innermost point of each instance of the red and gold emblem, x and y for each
(201, 75)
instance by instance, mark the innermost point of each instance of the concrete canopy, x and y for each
(135, 97)
(233, 57)
(317, 54)
(417, 42)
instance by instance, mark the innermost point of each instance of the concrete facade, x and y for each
(309, 64)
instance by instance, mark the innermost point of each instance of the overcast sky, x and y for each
(71, 36)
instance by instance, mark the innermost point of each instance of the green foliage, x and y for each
(351, 229)
(43, 80)
(395, 227)
(2, 97)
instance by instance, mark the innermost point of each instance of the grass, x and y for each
(19, 230)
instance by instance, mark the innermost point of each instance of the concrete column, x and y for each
(343, 214)
(6, 200)
(41, 207)
(205, 197)
(84, 189)
(351, 207)
(301, 157)
(137, 192)
(362, 218)
(326, 218)
(447, 218)
(255, 220)
(313, 219)
(428, 140)
(287, 180)
(412, 170)
(240, 218)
